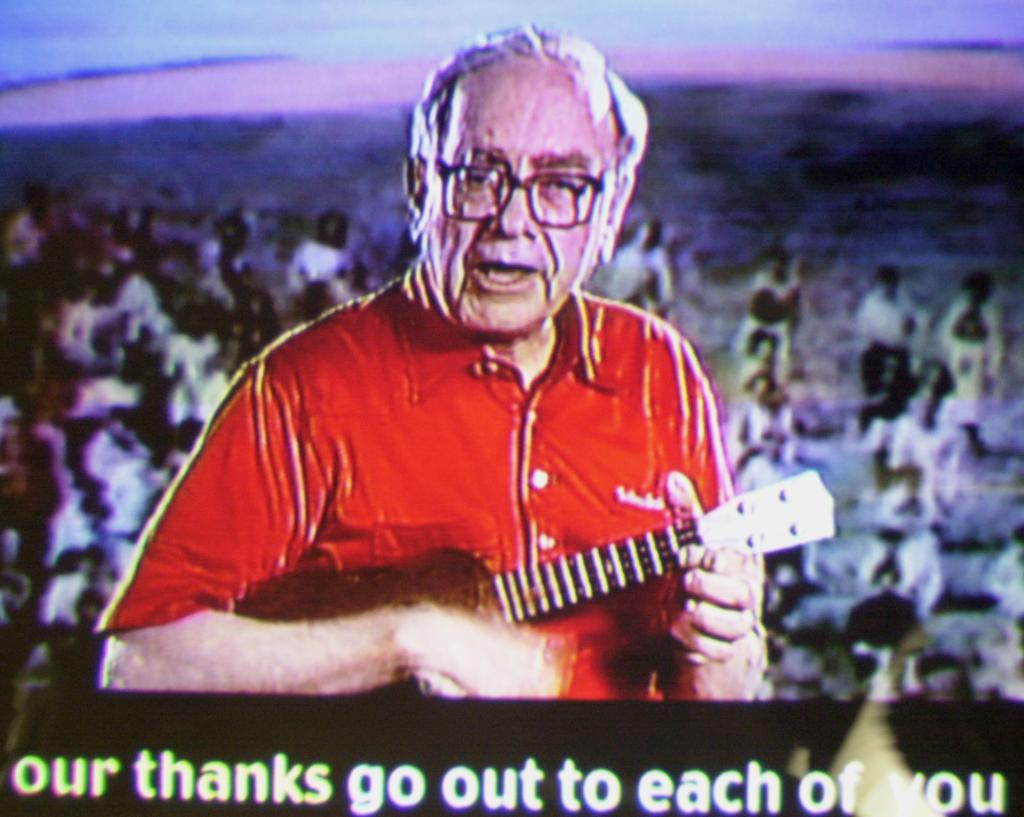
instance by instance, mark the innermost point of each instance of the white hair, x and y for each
(605, 90)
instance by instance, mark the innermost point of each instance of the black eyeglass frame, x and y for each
(511, 183)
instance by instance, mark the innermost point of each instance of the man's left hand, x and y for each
(721, 602)
(717, 629)
(717, 626)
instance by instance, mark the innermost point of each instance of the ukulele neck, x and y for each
(779, 516)
(560, 584)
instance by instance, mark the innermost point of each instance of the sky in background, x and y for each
(50, 38)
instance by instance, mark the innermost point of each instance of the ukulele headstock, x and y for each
(785, 514)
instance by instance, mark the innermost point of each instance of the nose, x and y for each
(515, 217)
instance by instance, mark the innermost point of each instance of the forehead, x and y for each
(526, 108)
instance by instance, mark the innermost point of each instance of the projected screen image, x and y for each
(817, 277)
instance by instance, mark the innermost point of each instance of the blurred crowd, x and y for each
(925, 594)
(922, 595)
(119, 334)
(120, 331)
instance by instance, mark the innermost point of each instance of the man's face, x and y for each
(506, 274)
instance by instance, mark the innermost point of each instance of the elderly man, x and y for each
(480, 404)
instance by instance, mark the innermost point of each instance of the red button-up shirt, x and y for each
(384, 431)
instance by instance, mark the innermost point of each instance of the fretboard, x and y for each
(548, 587)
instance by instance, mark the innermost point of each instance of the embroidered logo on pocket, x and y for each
(648, 502)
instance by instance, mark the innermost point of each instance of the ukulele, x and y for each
(786, 514)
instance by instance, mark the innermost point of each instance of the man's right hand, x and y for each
(458, 653)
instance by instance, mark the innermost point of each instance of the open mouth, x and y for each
(504, 274)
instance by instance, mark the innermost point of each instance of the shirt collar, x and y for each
(436, 351)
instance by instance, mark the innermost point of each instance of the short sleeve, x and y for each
(702, 440)
(244, 509)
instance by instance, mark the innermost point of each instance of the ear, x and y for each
(625, 181)
(416, 184)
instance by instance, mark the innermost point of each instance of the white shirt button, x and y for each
(545, 542)
(539, 479)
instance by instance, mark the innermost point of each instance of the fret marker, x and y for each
(570, 583)
(506, 607)
(527, 591)
(542, 593)
(517, 604)
(652, 546)
(620, 574)
(634, 557)
(581, 568)
(549, 570)
(673, 542)
(602, 577)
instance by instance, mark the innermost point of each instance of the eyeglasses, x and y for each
(480, 192)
